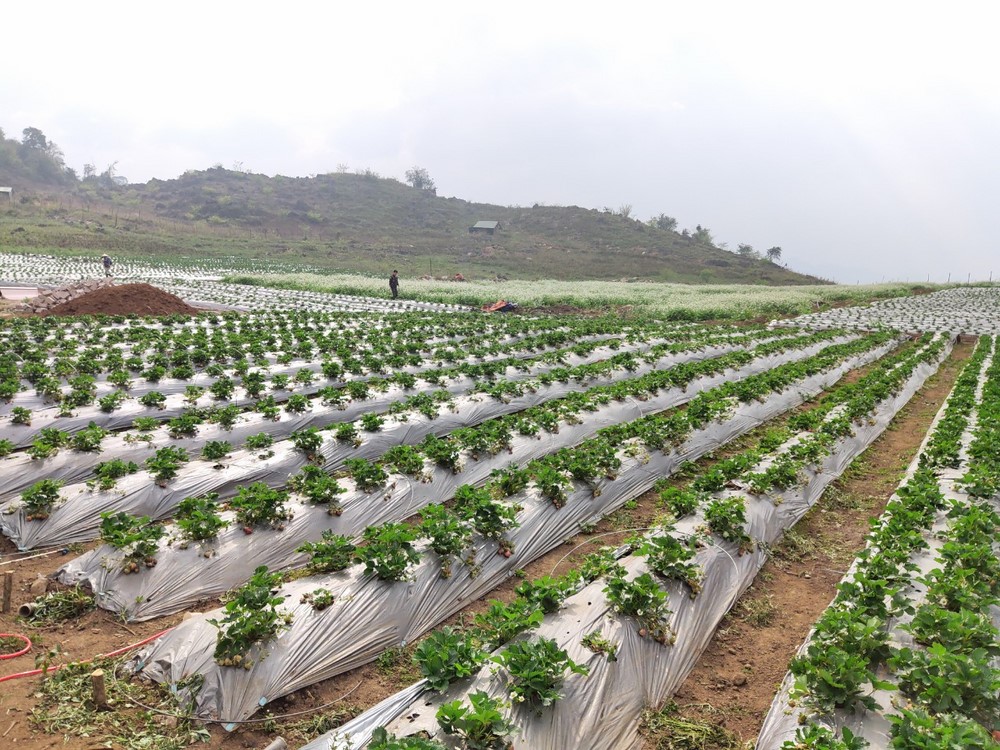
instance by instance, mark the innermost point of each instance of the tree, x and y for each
(107, 177)
(625, 210)
(668, 223)
(746, 250)
(702, 234)
(35, 138)
(773, 254)
(89, 171)
(421, 180)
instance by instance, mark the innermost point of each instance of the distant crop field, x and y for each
(680, 301)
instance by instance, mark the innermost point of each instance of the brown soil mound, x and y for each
(126, 299)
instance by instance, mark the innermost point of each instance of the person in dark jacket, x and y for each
(394, 284)
(106, 262)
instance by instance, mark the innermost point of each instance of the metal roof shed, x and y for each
(489, 227)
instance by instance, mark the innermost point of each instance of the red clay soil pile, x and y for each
(126, 299)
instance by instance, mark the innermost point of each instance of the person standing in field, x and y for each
(106, 262)
(394, 284)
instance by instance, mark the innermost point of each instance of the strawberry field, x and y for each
(289, 494)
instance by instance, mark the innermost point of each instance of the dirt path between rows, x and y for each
(724, 700)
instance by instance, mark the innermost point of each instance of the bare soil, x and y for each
(125, 299)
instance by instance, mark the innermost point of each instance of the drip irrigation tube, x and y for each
(23, 638)
(32, 672)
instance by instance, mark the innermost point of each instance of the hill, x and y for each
(353, 222)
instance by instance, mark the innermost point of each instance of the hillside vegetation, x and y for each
(348, 222)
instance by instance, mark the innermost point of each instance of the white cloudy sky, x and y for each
(861, 137)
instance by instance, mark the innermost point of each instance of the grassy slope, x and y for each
(361, 223)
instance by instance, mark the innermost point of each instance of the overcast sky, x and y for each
(863, 138)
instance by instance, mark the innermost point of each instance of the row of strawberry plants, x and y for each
(65, 385)
(690, 566)
(173, 478)
(407, 477)
(203, 424)
(158, 351)
(928, 577)
(115, 403)
(299, 392)
(544, 519)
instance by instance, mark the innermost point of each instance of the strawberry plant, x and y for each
(318, 487)
(198, 518)
(137, 537)
(449, 535)
(509, 481)
(681, 502)
(108, 403)
(334, 552)
(642, 599)
(814, 737)
(488, 517)
(404, 459)
(501, 621)
(382, 740)
(367, 476)
(260, 441)
(672, 559)
(551, 482)
(185, 425)
(372, 422)
(481, 725)
(153, 399)
(165, 463)
(600, 645)
(250, 619)
(297, 404)
(827, 677)
(226, 416)
(356, 389)
(388, 551)
(253, 383)
(726, 517)
(268, 408)
(216, 450)
(107, 473)
(960, 632)
(223, 388)
(308, 441)
(447, 655)
(916, 729)
(548, 593)
(89, 438)
(947, 682)
(442, 452)
(319, 598)
(47, 443)
(260, 505)
(536, 669)
(346, 432)
(145, 424)
(331, 369)
(601, 564)
(40, 498)
(192, 393)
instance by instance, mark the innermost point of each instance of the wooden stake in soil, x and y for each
(100, 696)
(8, 588)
